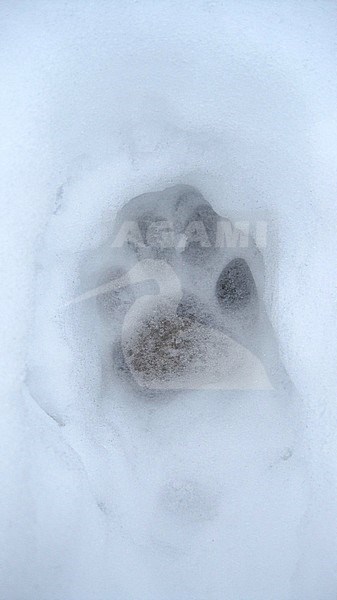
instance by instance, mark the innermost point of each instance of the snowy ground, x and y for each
(107, 494)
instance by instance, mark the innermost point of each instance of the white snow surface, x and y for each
(106, 495)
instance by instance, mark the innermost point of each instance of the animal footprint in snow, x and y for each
(180, 308)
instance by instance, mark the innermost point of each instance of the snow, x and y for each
(108, 492)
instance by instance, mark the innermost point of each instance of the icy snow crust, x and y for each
(114, 489)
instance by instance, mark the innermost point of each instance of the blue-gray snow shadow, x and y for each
(180, 410)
